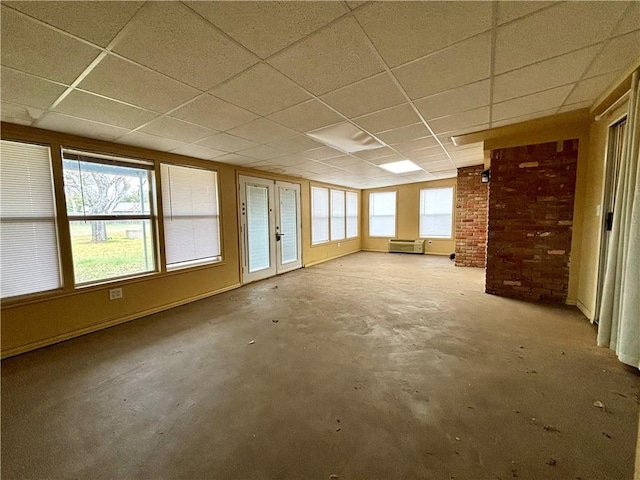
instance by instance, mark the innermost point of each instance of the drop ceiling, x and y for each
(244, 82)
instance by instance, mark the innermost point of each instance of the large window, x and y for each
(319, 215)
(382, 214)
(352, 214)
(29, 244)
(190, 213)
(436, 212)
(337, 215)
(110, 216)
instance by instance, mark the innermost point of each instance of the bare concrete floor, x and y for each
(372, 366)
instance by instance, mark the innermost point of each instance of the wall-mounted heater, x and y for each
(397, 245)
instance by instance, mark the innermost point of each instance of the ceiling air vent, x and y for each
(345, 137)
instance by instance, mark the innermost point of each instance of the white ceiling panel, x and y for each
(567, 26)
(510, 10)
(321, 153)
(177, 130)
(454, 101)
(523, 118)
(263, 152)
(417, 144)
(293, 160)
(262, 90)
(617, 54)
(227, 143)
(267, 27)
(262, 131)
(388, 119)
(332, 58)
(404, 134)
(630, 20)
(375, 153)
(296, 144)
(457, 121)
(306, 116)
(235, 159)
(461, 64)
(144, 87)
(96, 21)
(213, 113)
(19, 114)
(591, 88)
(76, 126)
(172, 39)
(544, 75)
(31, 47)
(198, 151)
(92, 107)
(531, 103)
(153, 142)
(404, 31)
(392, 158)
(576, 106)
(23, 89)
(370, 95)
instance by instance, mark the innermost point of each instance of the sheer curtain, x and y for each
(619, 326)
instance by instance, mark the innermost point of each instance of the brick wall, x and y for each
(471, 218)
(530, 217)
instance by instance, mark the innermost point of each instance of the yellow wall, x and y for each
(407, 217)
(42, 320)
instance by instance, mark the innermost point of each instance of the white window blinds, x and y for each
(436, 212)
(382, 214)
(190, 212)
(319, 215)
(29, 245)
(337, 215)
(352, 214)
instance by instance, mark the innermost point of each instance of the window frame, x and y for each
(395, 213)
(452, 213)
(345, 192)
(346, 214)
(342, 193)
(328, 218)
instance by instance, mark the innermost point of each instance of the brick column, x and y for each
(471, 218)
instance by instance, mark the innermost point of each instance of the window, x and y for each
(29, 259)
(352, 214)
(436, 212)
(337, 215)
(382, 214)
(191, 216)
(110, 216)
(319, 215)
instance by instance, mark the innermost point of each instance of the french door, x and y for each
(270, 227)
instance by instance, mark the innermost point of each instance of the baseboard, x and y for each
(11, 352)
(318, 262)
(586, 311)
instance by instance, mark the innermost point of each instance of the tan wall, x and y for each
(407, 217)
(38, 321)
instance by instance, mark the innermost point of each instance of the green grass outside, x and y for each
(118, 256)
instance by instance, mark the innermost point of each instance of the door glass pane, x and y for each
(258, 227)
(288, 214)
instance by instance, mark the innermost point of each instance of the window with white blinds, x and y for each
(319, 215)
(191, 215)
(28, 241)
(436, 212)
(382, 214)
(337, 215)
(352, 214)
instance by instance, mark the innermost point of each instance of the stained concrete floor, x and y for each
(371, 366)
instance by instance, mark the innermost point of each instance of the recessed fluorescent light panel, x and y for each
(402, 166)
(345, 137)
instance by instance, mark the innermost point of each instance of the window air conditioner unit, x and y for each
(397, 245)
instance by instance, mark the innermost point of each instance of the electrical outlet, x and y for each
(115, 293)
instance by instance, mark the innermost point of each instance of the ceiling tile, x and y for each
(153, 142)
(417, 144)
(630, 20)
(459, 65)
(293, 160)
(227, 143)
(422, 153)
(454, 101)
(172, 39)
(567, 26)
(334, 57)
(510, 10)
(392, 158)
(404, 134)
(96, 21)
(306, 116)
(76, 126)
(261, 90)
(388, 119)
(404, 31)
(235, 159)
(576, 106)
(355, 4)
(524, 118)
(263, 152)
(321, 153)
(591, 88)
(544, 75)
(144, 88)
(198, 151)
(375, 153)
(34, 48)
(457, 121)
(27, 90)
(213, 113)
(262, 131)
(99, 109)
(267, 27)
(531, 103)
(617, 54)
(176, 129)
(296, 144)
(367, 96)
(12, 113)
